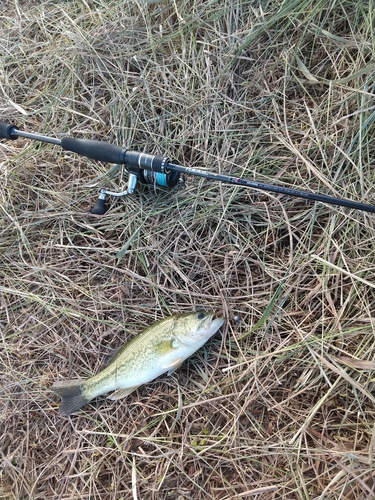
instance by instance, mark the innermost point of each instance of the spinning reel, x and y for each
(168, 179)
(141, 167)
(158, 170)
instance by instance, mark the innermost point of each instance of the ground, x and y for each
(280, 402)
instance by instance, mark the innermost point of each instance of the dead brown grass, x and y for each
(281, 405)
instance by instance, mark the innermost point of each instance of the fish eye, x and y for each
(200, 315)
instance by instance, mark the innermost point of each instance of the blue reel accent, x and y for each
(161, 179)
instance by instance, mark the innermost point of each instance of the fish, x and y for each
(160, 348)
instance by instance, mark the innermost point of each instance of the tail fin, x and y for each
(72, 395)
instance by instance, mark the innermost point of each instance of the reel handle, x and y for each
(100, 206)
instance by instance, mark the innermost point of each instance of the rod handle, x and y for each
(96, 150)
(6, 130)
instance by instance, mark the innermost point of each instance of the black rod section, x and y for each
(237, 181)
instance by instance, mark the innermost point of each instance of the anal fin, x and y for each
(122, 393)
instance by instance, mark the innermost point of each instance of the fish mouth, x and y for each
(218, 315)
(217, 320)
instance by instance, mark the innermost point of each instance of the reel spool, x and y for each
(169, 179)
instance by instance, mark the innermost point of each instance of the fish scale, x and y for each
(161, 348)
(136, 358)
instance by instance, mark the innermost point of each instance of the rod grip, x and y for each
(6, 130)
(96, 150)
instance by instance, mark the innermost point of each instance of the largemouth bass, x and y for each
(161, 348)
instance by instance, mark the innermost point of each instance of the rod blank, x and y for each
(237, 181)
(111, 153)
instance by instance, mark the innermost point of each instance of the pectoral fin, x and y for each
(122, 393)
(173, 365)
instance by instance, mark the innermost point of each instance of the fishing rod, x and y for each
(159, 170)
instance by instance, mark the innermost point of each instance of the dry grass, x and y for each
(281, 405)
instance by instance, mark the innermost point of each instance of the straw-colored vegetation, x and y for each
(281, 403)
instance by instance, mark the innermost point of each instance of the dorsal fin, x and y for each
(110, 356)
